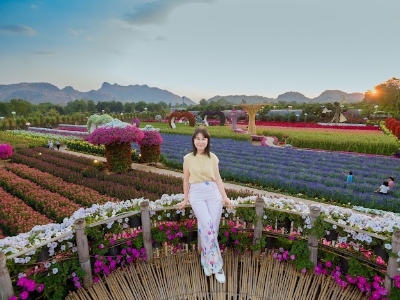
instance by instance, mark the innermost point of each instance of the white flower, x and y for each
(334, 226)
(55, 270)
(388, 246)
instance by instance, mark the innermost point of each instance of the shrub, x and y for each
(5, 151)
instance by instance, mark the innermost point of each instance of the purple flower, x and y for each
(24, 295)
(151, 138)
(5, 151)
(40, 287)
(30, 285)
(22, 281)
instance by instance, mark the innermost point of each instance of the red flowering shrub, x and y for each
(5, 151)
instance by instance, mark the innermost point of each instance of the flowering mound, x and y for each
(115, 132)
(151, 138)
(5, 151)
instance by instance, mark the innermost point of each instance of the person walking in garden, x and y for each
(58, 144)
(51, 145)
(203, 186)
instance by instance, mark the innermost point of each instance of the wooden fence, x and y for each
(6, 289)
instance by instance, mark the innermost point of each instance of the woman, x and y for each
(202, 184)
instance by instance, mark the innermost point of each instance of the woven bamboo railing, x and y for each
(6, 289)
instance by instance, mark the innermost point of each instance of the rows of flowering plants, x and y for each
(70, 127)
(79, 194)
(360, 141)
(52, 205)
(318, 125)
(69, 133)
(312, 174)
(90, 178)
(18, 217)
(115, 244)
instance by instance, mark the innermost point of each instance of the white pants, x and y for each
(206, 201)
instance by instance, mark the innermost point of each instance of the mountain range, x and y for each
(46, 92)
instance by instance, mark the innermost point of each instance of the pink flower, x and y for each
(151, 138)
(24, 295)
(5, 151)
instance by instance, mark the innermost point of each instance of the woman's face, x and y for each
(200, 142)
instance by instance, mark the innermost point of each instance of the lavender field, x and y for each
(316, 174)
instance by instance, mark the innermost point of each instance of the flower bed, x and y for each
(316, 175)
(114, 244)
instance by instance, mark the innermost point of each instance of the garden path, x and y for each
(148, 168)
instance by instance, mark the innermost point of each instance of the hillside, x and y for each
(46, 92)
(325, 97)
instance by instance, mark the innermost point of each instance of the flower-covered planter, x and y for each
(117, 137)
(150, 154)
(119, 157)
(6, 151)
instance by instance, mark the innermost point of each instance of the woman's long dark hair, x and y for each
(205, 133)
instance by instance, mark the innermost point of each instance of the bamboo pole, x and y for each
(146, 229)
(259, 207)
(83, 251)
(392, 263)
(6, 288)
(315, 211)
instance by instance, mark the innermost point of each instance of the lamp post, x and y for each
(305, 117)
(122, 116)
(376, 108)
(102, 111)
(13, 114)
(297, 117)
(4, 124)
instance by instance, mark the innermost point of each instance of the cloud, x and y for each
(78, 33)
(157, 11)
(17, 29)
(43, 53)
(161, 39)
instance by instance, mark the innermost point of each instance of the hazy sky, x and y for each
(202, 48)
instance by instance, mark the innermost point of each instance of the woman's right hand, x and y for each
(182, 204)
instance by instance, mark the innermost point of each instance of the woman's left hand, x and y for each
(227, 202)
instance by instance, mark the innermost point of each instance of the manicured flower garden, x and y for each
(96, 197)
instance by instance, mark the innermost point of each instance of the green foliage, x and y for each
(248, 214)
(302, 253)
(356, 268)
(372, 143)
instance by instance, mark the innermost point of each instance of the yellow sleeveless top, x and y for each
(201, 167)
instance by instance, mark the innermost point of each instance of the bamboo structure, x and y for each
(6, 290)
(393, 265)
(252, 109)
(83, 252)
(180, 276)
(146, 227)
(258, 226)
(315, 211)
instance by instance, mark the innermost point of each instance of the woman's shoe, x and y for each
(207, 271)
(220, 276)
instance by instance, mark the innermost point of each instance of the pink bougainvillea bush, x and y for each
(117, 137)
(5, 151)
(115, 132)
(151, 138)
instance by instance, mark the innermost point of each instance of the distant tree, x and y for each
(203, 102)
(386, 95)
(91, 106)
(129, 107)
(76, 106)
(140, 106)
(21, 107)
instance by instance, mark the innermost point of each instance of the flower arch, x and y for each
(178, 115)
(218, 113)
